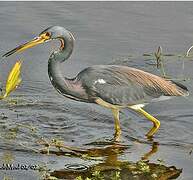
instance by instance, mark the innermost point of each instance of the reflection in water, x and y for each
(152, 151)
(113, 168)
(106, 163)
(103, 157)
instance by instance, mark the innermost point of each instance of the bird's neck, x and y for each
(62, 84)
(65, 50)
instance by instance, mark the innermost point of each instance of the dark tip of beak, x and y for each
(9, 53)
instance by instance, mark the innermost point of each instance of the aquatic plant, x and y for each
(188, 51)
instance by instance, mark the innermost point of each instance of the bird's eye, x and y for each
(48, 34)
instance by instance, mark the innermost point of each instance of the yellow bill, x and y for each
(13, 80)
(38, 40)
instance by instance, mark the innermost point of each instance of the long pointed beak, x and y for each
(38, 40)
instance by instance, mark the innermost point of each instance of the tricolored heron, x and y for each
(114, 87)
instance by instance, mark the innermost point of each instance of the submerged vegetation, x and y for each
(121, 171)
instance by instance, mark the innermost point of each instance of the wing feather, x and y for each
(123, 85)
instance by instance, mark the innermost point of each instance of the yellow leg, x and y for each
(156, 123)
(117, 124)
(115, 109)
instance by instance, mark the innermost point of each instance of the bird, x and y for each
(112, 86)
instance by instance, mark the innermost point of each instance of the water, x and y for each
(105, 33)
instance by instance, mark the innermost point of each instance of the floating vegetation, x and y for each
(120, 171)
(10, 133)
(143, 166)
(110, 167)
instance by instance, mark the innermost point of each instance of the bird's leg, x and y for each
(115, 109)
(156, 123)
(117, 124)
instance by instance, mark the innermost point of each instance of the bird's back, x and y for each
(122, 85)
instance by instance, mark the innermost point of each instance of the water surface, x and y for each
(105, 33)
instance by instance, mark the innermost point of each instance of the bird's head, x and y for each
(51, 33)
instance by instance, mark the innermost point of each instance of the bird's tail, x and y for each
(181, 87)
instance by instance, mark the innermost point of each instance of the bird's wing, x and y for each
(123, 85)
